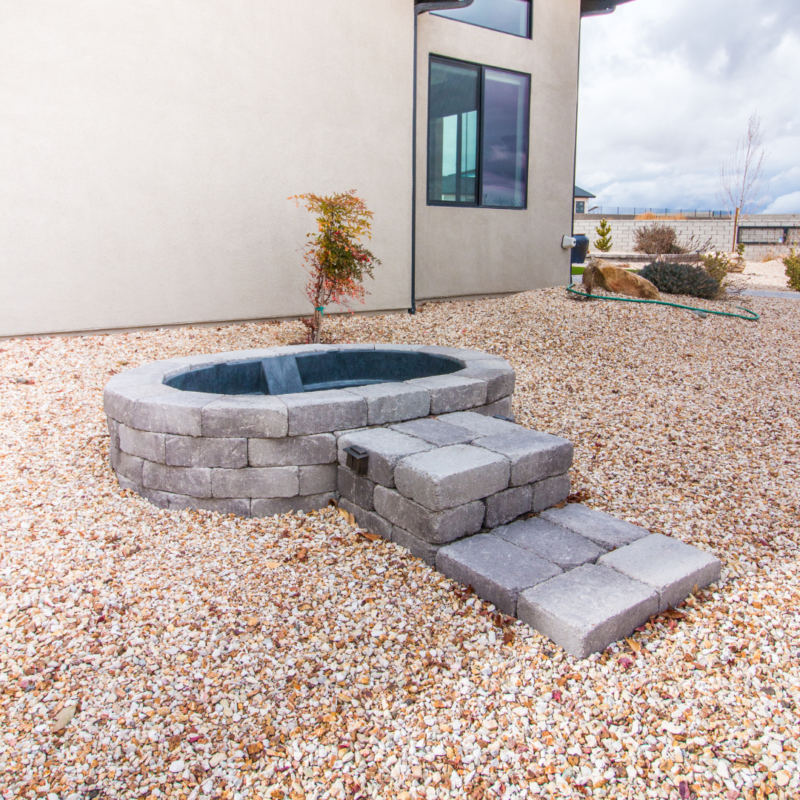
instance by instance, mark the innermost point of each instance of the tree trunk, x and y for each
(319, 317)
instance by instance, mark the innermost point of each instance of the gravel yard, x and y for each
(769, 275)
(152, 654)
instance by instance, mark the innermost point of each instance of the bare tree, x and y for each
(741, 176)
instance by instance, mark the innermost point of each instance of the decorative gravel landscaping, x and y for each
(154, 653)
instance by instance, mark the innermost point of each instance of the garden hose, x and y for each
(751, 315)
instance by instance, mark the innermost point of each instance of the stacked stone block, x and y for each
(259, 455)
(433, 481)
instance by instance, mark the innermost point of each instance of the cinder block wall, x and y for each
(718, 230)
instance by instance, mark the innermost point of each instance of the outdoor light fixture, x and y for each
(568, 242)
(357, 459)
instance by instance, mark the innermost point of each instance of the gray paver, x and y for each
(552, 542)
(534, 456)
(356, 488)
(418, 547)
(393, 402)
(496, 569)
(272, 506)
(510, 504)
(436, 432)
(451, 476)
(435, 527)
(120, 397)
(452, 393)
(667, 565)
(129, 467)
(240, 507)
(300, 451)
(602, 528)
(194, 482)
(551, 491)
(368, 520)
(255, 482)
(503, 408)
(385, 447)
(586, 609)
(481, 425)
(325, 411)
(318, 479)
(191, 451)
(179, 412)
(499, 381)
(260, 417)
(144, 444)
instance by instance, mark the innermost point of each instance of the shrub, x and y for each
(603, 230)
(792, 264)
(673, 278)
(656, 240)
(718, 265)
(336, 260)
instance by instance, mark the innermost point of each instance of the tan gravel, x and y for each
(769, 275)
(153, 654)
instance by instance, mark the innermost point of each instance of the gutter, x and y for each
(420, 7)
(593, 8)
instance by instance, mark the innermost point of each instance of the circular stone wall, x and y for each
(236, 432)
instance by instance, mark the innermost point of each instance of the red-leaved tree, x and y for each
(335, 258)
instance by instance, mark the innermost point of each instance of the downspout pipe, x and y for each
(420, 7)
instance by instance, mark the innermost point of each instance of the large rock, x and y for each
(603, 275)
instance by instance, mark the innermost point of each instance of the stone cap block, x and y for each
(120, 398)
(178, 412)
(436, 527)
(496, 569)
(324, 411)
(245, 416)
(534, 456)
(451, 476)
(393, 402)
(479, 425)
(385, 447)
(586, 609)
(671, 567)
(452, 392)
(434, 431)
(499, 380)
(603, 529)
(551, 542)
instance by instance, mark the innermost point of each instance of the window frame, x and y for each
(527, 35)
(433, 57)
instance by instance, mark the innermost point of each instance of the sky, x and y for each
(666, 91)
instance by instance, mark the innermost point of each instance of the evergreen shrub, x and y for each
(681, 279)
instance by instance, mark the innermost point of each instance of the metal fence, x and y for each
(658, 212)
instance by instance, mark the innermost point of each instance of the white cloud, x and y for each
(786, 204)
(667, 87)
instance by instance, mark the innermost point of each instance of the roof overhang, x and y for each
(592, 8)
(421, 6)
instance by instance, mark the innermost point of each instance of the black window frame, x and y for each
(479, 147)
(528, 35)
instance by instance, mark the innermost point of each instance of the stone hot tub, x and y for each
(255, 432)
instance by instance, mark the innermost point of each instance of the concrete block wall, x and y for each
(718, 230)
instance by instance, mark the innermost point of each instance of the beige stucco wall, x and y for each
(148, 147)
(473, 251)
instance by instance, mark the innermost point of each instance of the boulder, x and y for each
(603, 275)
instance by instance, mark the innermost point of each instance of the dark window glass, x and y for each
(477, 135)
(453, 132)
(580, 207)
(507, 16)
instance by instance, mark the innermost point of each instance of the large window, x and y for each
(477, 135)
(507, 16)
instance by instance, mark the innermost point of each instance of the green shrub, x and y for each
(718, 265)
(681, 279)
(792, 264)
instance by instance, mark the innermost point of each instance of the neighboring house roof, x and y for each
(583, 193)
(591, 7)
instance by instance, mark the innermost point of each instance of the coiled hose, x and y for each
(749, 315)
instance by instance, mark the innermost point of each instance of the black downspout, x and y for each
(575, 158)
(413, 307)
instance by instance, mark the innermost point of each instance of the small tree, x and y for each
(792, 264)
(335, 259)
(603, 230)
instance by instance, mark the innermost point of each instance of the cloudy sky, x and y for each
(667, 87)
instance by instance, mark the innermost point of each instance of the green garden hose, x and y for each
(751, 315)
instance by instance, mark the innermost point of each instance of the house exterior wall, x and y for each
(148, 148)
(475, 251)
